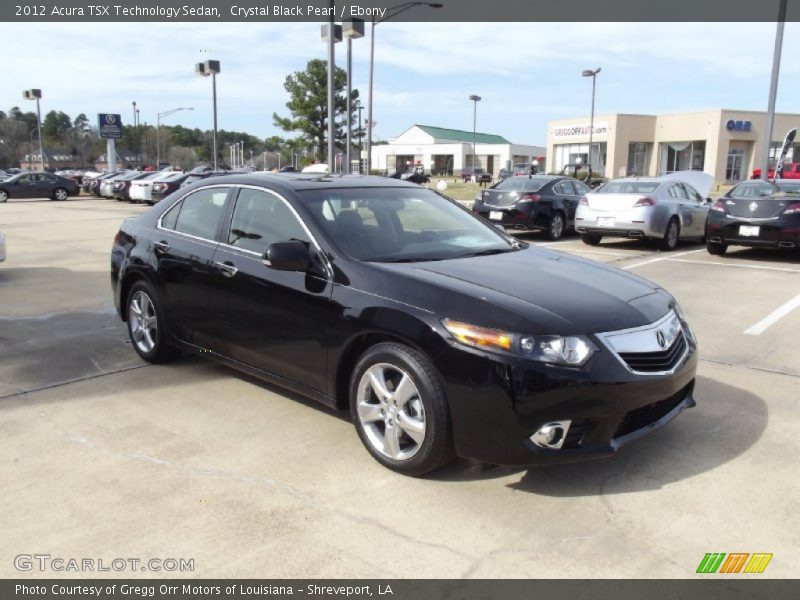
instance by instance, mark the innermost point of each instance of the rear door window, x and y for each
(198, 214)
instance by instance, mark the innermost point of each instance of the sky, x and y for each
(526, 73)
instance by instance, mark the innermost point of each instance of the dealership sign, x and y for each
(739, 125)
(582, 130)
(110, 126)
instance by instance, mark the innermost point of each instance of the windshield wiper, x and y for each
(486, 252)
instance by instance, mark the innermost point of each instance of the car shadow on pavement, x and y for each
(778, 256)
(726, 422)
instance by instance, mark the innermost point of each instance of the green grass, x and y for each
(459, 190)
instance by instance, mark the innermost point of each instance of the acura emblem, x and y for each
(753, 207)
(661, 339)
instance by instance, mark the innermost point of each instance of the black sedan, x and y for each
(164, 187)
(759, 214)
(390, 301)
(38, 185)
(540, 202)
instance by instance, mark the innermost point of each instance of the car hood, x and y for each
(537, 290)
(699, 180)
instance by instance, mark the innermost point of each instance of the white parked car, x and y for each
(142, 189)
(667, 208)
(106, 187)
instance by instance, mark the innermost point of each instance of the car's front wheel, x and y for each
(3, 196)
(400, 410)
(60, 194)
(147, 326)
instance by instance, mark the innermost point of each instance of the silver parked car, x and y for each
(667, 209)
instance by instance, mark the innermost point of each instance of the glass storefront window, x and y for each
(638, 159)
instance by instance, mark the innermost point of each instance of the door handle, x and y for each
(163, 246)
(227, 268)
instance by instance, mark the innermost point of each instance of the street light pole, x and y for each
(212, 68)
(773, 92)
(475, 99)
(36, 94)
(353, 29)
(391, 12)
(593, 75)
(158, 131)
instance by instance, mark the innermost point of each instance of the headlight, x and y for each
(571, 351)
(686, 327)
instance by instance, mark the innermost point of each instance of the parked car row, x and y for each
(146, 187)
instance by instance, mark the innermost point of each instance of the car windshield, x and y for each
(628, 187)
(402, 225)
(520, 184)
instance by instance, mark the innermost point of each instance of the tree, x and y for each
(185, 158)
(308, 103)
(57, 126)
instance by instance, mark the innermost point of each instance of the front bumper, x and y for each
(777, 233)
(496, 405)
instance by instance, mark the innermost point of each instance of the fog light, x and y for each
(551, 435)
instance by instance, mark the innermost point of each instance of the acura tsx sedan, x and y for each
(440, 334)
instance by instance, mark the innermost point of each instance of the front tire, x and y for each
(147, 326)
(400, 411)
(555, 229)
(671, 235)
(3, 196)
(60, 194)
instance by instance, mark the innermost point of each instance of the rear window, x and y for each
(521, 184)
(752, 190)
(628, 187)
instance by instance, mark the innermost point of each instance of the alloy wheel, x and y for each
(3, 196)
(556, 227)
(391, 412)
(672, 234)
(143, 321)
(61, 194)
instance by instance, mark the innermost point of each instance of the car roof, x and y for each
(307, 181)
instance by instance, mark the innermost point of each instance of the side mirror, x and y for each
(288, 256)
(709, 201)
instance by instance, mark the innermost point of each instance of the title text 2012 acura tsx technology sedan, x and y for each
(440, 334)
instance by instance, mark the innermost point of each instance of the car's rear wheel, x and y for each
(147, 326)
(60, 194)
(591, 239)
(671, 235)
(716, 249)
(555, 229)
(3, 196)
(400, 410)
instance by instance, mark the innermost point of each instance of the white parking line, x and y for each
(661, 258)
(735, 265)
(773, 317)
(587, 251)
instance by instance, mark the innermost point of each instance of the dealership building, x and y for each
(449, 151)
(727, 144)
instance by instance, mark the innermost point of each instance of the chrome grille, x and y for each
(656, 362)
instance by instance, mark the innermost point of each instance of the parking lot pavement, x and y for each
(102, 456)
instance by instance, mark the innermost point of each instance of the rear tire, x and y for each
(555, 229)
(591, 239)
(716, 249)
(400, 410)
(670, 240)
(147, 325)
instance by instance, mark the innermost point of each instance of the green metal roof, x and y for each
(457, 135)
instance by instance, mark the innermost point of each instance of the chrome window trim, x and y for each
(605, 339)
(320, 251)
